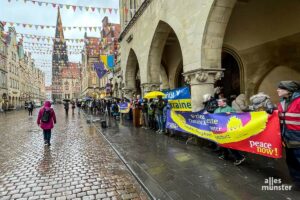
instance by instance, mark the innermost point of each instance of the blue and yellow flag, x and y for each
(179, 99)
(108, 60)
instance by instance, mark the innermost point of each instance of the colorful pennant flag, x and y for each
(100, 69)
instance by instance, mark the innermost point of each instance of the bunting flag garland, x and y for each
(39, 26)
(48, 49)
(34, 44)
(50, 52)
(103, 41)
(74, 7)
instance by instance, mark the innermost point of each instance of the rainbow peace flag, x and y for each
(108, 60)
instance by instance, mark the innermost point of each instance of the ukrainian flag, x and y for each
(108, 60)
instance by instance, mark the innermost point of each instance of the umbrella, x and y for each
(66, 100)
(87, 98)
(154, 94)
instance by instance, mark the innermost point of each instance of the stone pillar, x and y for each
(128, 92)
(202, 82)
(148, 87)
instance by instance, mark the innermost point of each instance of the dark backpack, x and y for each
(46, 116)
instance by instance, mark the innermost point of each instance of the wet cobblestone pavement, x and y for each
(78, 165)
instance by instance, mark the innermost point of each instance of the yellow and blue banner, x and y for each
(124, 107)
(254, 132)
(108, 60)
(179, 99)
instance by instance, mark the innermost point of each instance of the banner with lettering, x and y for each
(179, 99)
(254, 132)
(124, 107)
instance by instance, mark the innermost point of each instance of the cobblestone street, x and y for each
(78, 165)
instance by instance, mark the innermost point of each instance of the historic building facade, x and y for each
(59, 60)
(3, 68)
(20, 80)
(71, 79)
(245, 46)
(110, 46)
(90, 83)
(13, 76)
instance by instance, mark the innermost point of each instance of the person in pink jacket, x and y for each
(46, 120)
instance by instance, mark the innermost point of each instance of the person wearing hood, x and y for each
(289, 114)
(210, 104)
(46, 120)
(261, 102)
(239, 104)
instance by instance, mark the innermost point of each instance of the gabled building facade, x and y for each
(3, 67)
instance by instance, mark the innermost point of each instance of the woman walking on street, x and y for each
(46, 120)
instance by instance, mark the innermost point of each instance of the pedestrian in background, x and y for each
(289, 114)
(66, 106)
(73, 106)
(4, 107)
(30, 108)
(78, 106)
(46, 120)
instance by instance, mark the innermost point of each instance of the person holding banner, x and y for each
(144, 108)
(239, 159)
(159, 106)
(151, 114)
(210, 104)
(289, 114)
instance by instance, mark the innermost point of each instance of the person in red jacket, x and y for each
(46, 120)
(289, 114)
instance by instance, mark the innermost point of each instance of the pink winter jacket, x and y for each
(52, 121)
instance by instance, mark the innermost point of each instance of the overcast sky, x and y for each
(28, 13)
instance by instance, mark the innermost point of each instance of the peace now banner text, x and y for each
(254, 132)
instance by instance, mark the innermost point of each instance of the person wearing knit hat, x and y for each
(289, 114)
(290, 86)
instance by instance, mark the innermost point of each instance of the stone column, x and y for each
(148, 87)
(128, 92)
(202, 82)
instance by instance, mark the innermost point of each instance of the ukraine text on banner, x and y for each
(179, 99)
(254, 132)
(108, 60)
(124, 107)
(100, 69)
